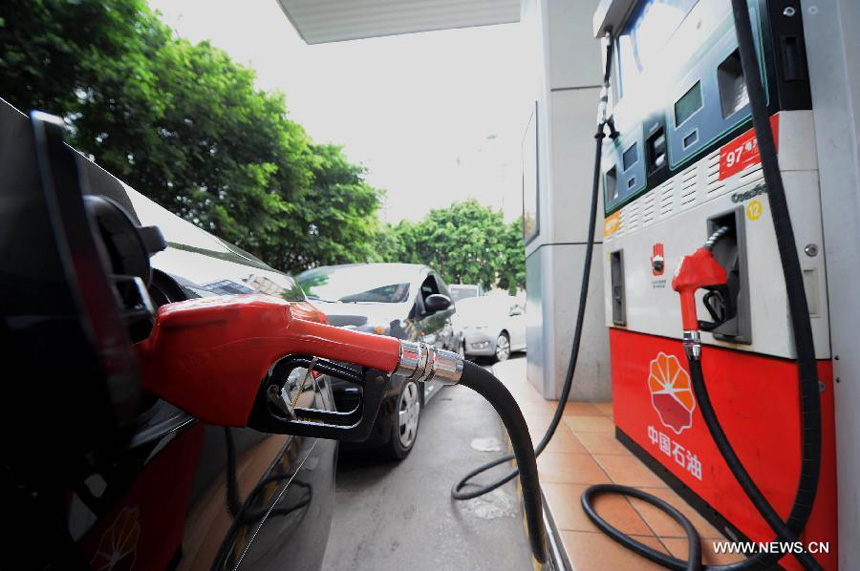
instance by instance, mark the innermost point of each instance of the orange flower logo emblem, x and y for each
(671, 393)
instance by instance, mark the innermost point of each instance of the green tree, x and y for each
(336, 223)
(466, 243)
(51, 51)
(512, 266)
(183, 124)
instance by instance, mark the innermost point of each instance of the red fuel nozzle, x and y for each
(699, 270)
(210, 357)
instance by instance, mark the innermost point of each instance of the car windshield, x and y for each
(356, 284)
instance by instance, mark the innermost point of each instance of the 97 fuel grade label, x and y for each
(743, 152)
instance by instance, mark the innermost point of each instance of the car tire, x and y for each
(404, 422)
(503, 347)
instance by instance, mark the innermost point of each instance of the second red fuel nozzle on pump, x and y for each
(700, 270)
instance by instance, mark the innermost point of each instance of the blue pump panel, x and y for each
(624, 172)
(710, 99)
(679, 89)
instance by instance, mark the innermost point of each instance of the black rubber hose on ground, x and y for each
(694, 562)
(526, 458)
(458, 492)
(494, 391)
(804, 346)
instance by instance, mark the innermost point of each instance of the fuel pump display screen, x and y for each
(642, 38)
(688, 104)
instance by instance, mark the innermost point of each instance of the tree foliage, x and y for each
(466, 243)
(183, 124)
(336, 223)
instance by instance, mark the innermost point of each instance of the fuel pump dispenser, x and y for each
(688, 168)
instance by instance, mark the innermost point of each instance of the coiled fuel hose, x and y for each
(532, 497)
(810, 413)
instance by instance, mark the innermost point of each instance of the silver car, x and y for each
(464, 291)
(407, 301)
(491, 326)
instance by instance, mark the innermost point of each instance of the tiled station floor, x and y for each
(584, 452)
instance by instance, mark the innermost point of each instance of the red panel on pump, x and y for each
(742, 151)
(756, 400)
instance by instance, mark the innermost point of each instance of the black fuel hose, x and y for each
(458, 492)
(810, 405)
(494, 391)
(804, 346)
(521, 443)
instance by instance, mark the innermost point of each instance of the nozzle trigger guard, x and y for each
(267, 415)
(717, 301)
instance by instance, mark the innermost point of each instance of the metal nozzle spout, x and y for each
(422, 363)
(693, 345)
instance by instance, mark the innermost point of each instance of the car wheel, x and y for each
(503, 347)
(404, 425)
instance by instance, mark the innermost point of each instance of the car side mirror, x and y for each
(436, 302)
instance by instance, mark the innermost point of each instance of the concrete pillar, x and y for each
(832, 45)
(567, 77)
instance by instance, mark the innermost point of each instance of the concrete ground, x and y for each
(397, 516)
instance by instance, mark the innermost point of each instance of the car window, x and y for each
(459, 292)
(205, 273)
(175, 229)
(429, 286)
(443, 288)
(356, 284)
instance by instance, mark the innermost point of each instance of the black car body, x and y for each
(170, 492)
(385, 299)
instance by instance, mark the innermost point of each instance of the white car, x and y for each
(465, 291)
(491, 326)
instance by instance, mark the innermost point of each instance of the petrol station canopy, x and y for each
(323, 21)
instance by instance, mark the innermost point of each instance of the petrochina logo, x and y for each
(671, 393)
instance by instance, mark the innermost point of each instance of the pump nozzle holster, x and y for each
(697, 271)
